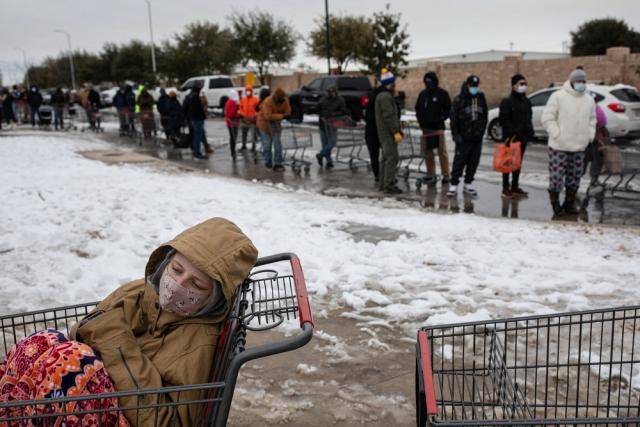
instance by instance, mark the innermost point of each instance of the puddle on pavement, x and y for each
(373, 234)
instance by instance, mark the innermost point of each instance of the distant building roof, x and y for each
(486, 56)
(274, 71)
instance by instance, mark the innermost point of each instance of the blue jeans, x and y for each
(328, 138)
(197, 139)
(267, 141)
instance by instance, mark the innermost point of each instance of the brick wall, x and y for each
(617, 66)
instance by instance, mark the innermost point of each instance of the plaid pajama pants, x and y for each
(565, 169)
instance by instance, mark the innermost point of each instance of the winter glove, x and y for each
(397, 137)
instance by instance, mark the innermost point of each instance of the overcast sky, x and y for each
(436, 27)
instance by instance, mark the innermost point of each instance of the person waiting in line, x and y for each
(331, 107)
(158, 331)
(59, 103)
(570, 120)
(34, 99)
(175, 116)
(273, 110)
(195, 115)
(389, 132)
(232, 119)
(163, 109)
(593, 152)
(432, 109)
(371, 131)
(469, 117)
(515, 120)
(248, 113)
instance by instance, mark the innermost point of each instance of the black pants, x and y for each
(373, 145)
(515, 175)
(466, 160)
(245, 133)
(233, 136)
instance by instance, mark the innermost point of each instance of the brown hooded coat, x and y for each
(271, 111)
(144, 347)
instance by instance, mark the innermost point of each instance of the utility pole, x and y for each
(153, 48)
(327, 41)
(73, 72)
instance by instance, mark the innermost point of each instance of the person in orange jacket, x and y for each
(248, 113)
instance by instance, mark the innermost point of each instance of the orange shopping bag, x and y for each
(507, 156)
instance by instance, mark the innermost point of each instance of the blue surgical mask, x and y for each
(579, 87)
(473, 90)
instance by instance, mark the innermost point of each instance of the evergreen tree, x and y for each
(389, 46)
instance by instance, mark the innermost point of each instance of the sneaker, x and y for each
(468, 189)
(243, 148)
(209, 150)
(519, 192)
(393, 190)
(507, 194)
(446, 179)
(199, 156)
(278, 168)
(268, 165)
(329, 165)
(453, 190)
(319, 159)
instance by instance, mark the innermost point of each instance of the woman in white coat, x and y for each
(570, 121)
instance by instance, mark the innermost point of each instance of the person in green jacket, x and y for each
(389, 132)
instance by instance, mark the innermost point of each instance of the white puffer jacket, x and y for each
(570, 119)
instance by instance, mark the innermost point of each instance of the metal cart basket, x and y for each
(568, 369)
(266, 299)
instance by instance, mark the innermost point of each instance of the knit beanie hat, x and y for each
(387, 77)
(577, 75)
(516, 78)
(473, 81)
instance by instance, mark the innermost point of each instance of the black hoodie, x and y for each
(515, 117)
(433, 105)
(469, 116)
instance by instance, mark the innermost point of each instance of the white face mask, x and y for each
(522, 89)
(579, 87)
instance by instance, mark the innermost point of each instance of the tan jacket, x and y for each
(143, 346)
(270, 111)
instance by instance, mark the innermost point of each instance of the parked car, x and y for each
(354, 90)
(106, 96)
(215, 88)
(621, 103)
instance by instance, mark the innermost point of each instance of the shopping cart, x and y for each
(411, 163)
(618, 177)
(148, 127)
(350, 142)
(92, 120)
(295, 140)
(275, 292)
(568, 369)
(125, 119)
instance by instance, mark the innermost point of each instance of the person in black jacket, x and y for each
(34, 99)
(371, 132)
(432, 109)
(163, 110)
(468, 123)
(195, 115)
(515, 120)
(59, 103)
(331, 106)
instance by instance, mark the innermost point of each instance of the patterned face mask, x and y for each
(179, 299)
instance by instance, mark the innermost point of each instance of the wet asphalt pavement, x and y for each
(343, 181)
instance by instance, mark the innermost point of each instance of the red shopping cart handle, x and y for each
(427, 373)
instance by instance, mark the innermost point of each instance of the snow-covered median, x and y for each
(73, 229)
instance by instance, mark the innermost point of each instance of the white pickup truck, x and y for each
(215, 88)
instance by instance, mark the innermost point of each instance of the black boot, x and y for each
(554, 198)
(570, 203)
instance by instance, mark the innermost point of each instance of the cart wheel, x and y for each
(307, 168)
(418, 185)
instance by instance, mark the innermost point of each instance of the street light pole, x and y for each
(24, 62)
(327, 42)
(73, 72)
(153, 49)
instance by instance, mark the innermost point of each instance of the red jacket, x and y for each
(231, 113)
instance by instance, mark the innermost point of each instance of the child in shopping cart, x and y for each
(149, 333)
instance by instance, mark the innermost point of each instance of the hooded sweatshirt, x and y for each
(433, 105)
(570, 119)
(272, 111)
(469, 116)
(249, 104)
(143, 346)
(231, 109)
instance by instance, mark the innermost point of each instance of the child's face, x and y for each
(187, 275)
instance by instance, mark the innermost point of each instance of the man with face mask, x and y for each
(515, 120)
(570, 120)
(389, 132)
(34, 99)
(432, 109)
(469, 116)
(248, 112)
(331, 106)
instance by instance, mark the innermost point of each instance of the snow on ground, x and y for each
(72, 230)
